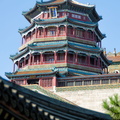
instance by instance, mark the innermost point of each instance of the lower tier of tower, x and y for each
(51, 80)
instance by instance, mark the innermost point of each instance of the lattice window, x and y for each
(47, 82)
(79, 33)
(36, 59)
(51, 31)
(60, 56)
(19, 82)
(62, 30)
(40, 32)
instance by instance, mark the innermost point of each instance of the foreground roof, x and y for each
(19, 103)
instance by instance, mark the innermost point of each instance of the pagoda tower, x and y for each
(63, 40)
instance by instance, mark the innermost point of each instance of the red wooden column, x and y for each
(30, 59)
(55, 56)
(40, 82)
(66, 30)
(25, 81)
(66, 56)
(41, 58)
(36, 32)
(54, 83)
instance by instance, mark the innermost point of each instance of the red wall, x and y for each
(63, 14)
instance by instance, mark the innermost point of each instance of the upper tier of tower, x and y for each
(55, 8)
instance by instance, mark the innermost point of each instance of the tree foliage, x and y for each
(112, 106)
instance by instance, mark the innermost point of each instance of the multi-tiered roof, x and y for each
(62, 40)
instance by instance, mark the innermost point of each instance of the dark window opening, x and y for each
(33, 81)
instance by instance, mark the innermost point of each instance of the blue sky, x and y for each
(12, 19)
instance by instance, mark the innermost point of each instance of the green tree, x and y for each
(112, 107)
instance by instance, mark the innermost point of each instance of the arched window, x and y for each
(116, 71)
(48, 57)
(36, 58)
(51, 31)
(62, 30)
(21, 63)
(90, 34)
(40, 31)
(60, 56)
(82, 58)
(27, 60)
(70, 30)
(71, 56)
(79, 32)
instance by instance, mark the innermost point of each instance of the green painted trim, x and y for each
(88, 87)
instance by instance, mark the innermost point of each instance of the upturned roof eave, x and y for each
(97, 16)
(40, 21)
(105, 58)
(30, 47)
(87, 6)
(13, 57)
(25, 13)
(57, 20)
(84, 49)
(27, 28)
(10, 75)
(102, 36)
(47, 47)
(74, 2)
(83, 23)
